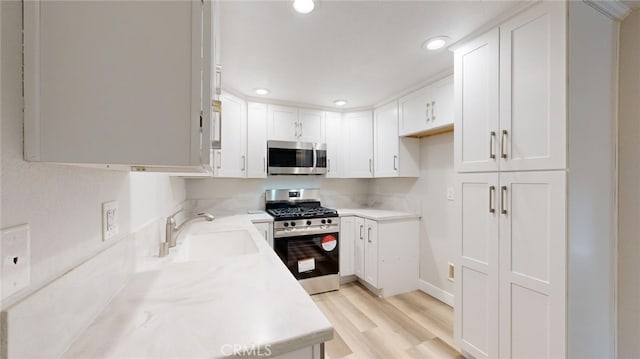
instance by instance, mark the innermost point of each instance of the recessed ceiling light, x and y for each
(340, 102)
(303, 6)
(435, 43)
(262, 92)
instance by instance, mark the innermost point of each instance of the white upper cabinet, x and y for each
(533, 86)
(295, 124)
(394, 156)
(476, 104)
(231, 159)
(311, 125)
(357, 150)
(256, 140)
(427, 110)
(282, 123)
(129, 97)
(511, 98)
(334, 144)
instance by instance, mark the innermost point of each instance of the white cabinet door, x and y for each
(533, 86)
(477, 284)
(359, 247)
(476, 140)
(95, 95)
(371, 253)
(347, 240)
(231, 159)
(283, 123)
(358, 144)
(441, 111)
(414, 110)
(334, 144)
(266, 230)
(386, 140)
(533, 264)
(256, 140)
(311, 125)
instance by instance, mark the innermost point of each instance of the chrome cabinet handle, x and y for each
(264, 164)
(492, 194)
(492, 137)
(433, 108)
(361, 228)
(296, 135)
(328, 165)
(243, 159)
(300, 129)
(503, 197)
(427, 111)
(219, 159)
(369, 234)
(370, 165)
(395, 159)
(503, 144)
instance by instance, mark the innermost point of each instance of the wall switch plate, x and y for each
(450, 193)
(15, 254)
(109, 220)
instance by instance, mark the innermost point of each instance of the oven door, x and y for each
(309, 256)
(287, 157)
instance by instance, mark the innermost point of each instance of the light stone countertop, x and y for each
(377, 214)
(202, 309)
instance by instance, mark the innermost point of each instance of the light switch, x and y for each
(109, 220)
(450, 193)
(16, 259)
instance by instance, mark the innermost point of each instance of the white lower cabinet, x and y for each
(385, 254)
(347, 243)
(266, 229)
(510, 287)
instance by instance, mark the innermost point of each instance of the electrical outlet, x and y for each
(452, 272)
(109, 220)
(450, 193)
(16, 261)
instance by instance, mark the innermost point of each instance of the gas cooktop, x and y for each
(296, 212)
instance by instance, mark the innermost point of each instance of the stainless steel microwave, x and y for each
(296, 158)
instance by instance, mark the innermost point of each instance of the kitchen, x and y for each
(63, 205)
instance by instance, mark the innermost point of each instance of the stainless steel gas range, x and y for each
(306, 237)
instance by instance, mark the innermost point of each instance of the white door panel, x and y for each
(533, 90)
(533, 264)
(476, 104)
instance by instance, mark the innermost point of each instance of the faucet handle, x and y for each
(208, 216)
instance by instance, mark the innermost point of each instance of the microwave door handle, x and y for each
(315, 158)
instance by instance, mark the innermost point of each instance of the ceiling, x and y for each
(361, 51)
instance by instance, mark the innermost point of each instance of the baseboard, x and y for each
(439, 294)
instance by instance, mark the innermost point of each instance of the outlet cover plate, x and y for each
(16, 259)
(109, 220)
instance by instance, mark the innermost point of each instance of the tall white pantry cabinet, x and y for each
(535, 154)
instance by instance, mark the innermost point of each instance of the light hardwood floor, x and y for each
(410, 325)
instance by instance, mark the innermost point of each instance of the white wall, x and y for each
(62, 204)
(629, 189)
(438, 213)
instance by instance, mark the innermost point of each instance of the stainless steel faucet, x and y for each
(172, 230)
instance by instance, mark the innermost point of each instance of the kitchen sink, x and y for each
(213, 245)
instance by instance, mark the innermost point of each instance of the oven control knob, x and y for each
(286, 224)
(329, 221)
(293, 224)
(323, 221)
(308, 223)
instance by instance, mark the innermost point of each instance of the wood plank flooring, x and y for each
(411, 325)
